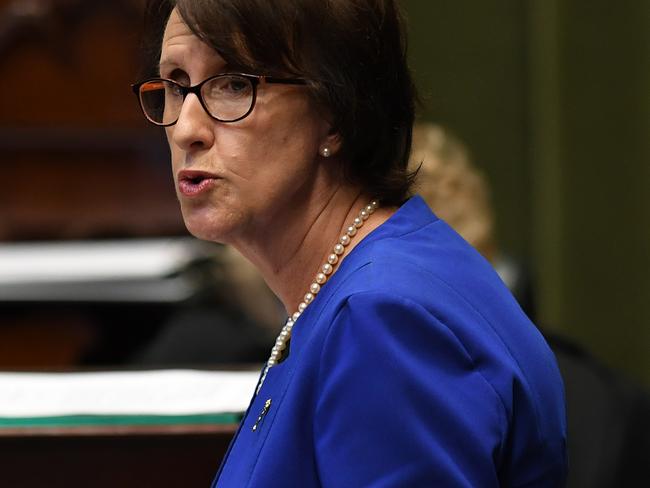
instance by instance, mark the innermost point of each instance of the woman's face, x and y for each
(237, 180)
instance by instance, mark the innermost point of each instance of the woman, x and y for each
(405, 361)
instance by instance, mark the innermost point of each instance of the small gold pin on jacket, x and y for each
(259, 420)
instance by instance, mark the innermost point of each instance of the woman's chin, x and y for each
(214, 230)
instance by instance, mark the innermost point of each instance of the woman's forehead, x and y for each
(180, 44)
(176, 30)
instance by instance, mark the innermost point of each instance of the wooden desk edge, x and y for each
(119, 430)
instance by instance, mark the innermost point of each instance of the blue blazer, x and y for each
(414, 367)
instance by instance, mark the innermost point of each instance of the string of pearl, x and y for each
(321, 278)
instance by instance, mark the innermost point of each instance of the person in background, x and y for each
(404, 360)
(459, 194)
(608, 415)
(222, 325)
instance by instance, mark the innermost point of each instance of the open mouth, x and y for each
(192, 183)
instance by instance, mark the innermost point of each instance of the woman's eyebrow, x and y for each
(227, 68)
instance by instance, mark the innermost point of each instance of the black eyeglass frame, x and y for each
(196, 90)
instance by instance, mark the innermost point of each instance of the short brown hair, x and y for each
(353, 52)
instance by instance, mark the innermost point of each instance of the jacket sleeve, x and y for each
(401, 403)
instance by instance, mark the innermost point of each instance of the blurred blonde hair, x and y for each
(454, 189)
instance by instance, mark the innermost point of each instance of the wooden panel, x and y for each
(112, 189)
(161, 457)
(78, 159)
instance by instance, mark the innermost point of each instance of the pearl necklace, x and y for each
(325, 272)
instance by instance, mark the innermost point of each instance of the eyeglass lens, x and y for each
(226, 98)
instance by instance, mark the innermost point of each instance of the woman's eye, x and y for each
(230, 87)
(237, 86)
(175, 91)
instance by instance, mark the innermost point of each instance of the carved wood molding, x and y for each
(148, 143)
(53, 23)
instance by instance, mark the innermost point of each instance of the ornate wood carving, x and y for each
(78, 159)
(54, 22)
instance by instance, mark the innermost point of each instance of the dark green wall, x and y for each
(470, 62)
(553, 99)
(605, 116)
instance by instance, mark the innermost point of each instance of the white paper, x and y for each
(120, 271)
(160, 392)
(84, 261)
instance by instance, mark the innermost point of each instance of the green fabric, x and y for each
(102, 420)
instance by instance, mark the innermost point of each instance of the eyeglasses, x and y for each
(226, 97)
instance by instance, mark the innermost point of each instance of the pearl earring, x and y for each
(325, 152)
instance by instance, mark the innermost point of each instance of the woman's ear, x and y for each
(331, 144)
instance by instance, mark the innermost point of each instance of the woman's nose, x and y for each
(194, 129)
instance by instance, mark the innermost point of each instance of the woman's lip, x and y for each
(193, 188)
(192, 183)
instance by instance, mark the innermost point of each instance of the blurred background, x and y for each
(551, 97)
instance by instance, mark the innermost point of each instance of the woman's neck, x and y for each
(289, 258)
